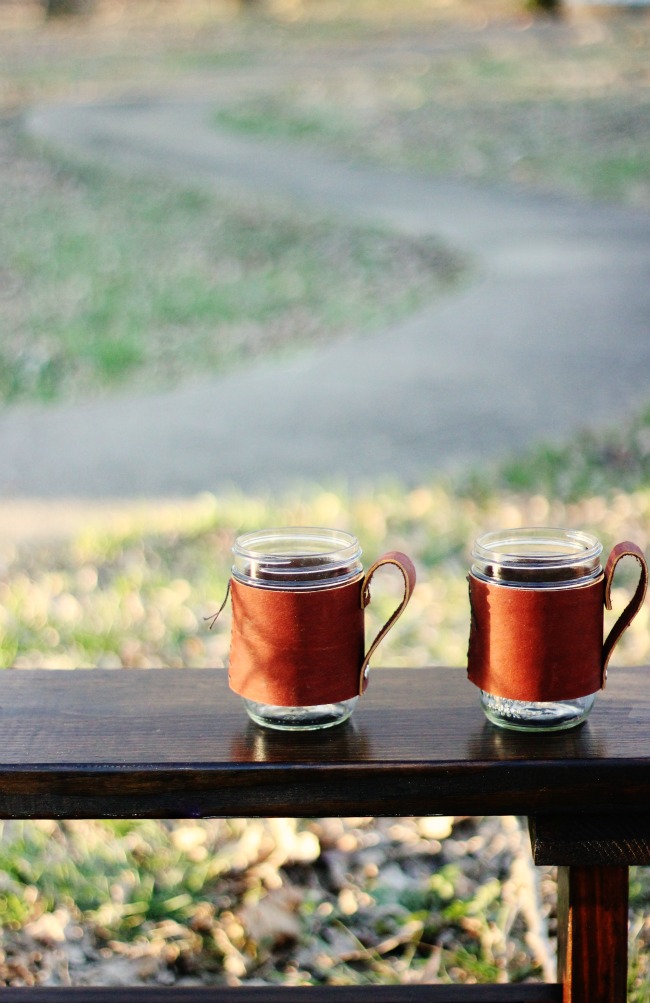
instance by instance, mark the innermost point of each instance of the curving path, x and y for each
(552, 334)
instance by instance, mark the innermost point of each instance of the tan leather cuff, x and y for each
(295, 648)
(536, 644)
(300, 648)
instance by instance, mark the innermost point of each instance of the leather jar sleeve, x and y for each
(536, 644)
(296, 648)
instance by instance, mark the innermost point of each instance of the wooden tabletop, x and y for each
(177, 743)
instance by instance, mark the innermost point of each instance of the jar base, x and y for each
(520, 715)
(313, 718)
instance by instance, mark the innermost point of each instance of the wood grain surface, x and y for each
(592, 934)
(177, 743)
(594, 838)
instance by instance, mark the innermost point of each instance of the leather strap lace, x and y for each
(407, 568)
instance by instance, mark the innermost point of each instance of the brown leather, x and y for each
(536, 644)
(547, 644)
(625, 549)
(298, 648)
(295, 648)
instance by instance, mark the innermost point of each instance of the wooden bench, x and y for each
(177, 744)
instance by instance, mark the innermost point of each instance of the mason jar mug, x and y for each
(297, 654)
(537, 597)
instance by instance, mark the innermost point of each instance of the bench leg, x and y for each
(592, 933)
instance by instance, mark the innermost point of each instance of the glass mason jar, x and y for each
(541, 559)
(297, 559)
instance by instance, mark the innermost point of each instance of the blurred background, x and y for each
(381, 267)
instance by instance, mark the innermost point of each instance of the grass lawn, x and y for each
(560, 106)
(105, 278)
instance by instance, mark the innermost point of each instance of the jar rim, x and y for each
(273, 544)
(524, 546)
(296, 557)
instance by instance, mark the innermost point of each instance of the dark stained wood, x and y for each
(592, 933)
(621, 838)
(176, 743)
(307, 994)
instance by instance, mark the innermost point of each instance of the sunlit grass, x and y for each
(148, 43)
(560, 109)
(144, 602)
(140, 598)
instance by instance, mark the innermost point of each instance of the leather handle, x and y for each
(625, 549)
(407, 568)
